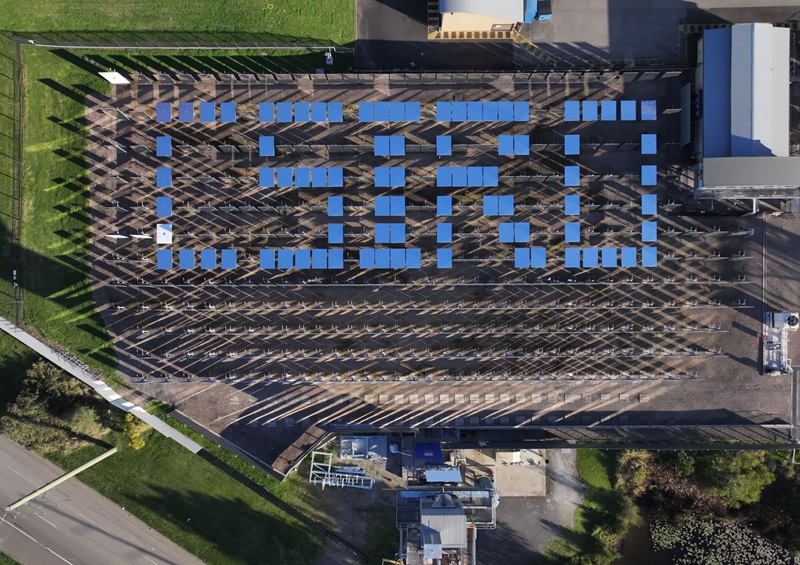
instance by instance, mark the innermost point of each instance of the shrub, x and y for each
(133, 430)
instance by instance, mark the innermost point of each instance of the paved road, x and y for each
(526, 525)
(72, 524)
(81, 372)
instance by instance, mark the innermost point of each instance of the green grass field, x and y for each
(324, 20)
(6, 560)
(596, 468)
(196, 505)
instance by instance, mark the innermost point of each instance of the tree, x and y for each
(684, 463)
(134, 428)
(737, 476)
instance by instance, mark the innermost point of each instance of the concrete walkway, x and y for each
(81, 371)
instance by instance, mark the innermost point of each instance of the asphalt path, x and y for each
(71, 524)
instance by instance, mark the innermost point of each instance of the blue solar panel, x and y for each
(382, 145)
(398, 205)
(572, 111)
(589, 110)
(474, 176)
(335, 258)
(186, 259)
(490, 176)
(285, 258)
(474, 111)
(398, 233)
(208, 112)
(505, 232)
(383, 206)
(302, 177)
(284, 176)
(284, 111)
(522, 145)
(382, 258)
(649, 204)
(628, 256)
(505, 145)
(381, 111)
(443, 111)
(319, 177)
(608, 110)
(444, 145)
(208, 259)
(335, 115)
(397, 111)
(444, 258)
(491, 205)
(459, 176)
(318, 111)
(609, 256)
(335, 233)
(227, 112)
(163, 206)
(397, 145)
(572, 232)
(572, 257)
(335, 177)
(522, 112)
(490, 111)
(382, 177)
(163, 112)
(444, 233)
(266, 146)
(522, 258)
(572, 205)
(505, 111)
(266, 177)
(459, 110)
(163, 177)
(522, 232)
(590, 256)
(366, 112)
(398, 258)
(319, 259)
(413, 258)
(412, 112)
(383, 233)
(649, 257)
(397, 176)
(186, 112)
(627, 110)
(366, 258)
(302, 112)
(335, 205)
(444, 205)
(538, 257)
(302, 258)
(163, 259)
(649, 175)
(228, 259)
(444, 176)
(572, 175)
(649, 144)
(266, 112)
(649, 232)
(505, 205)
(163, 146)
(266, 259)
(572, 144)
(649, 112)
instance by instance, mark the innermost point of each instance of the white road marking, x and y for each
(35, 540)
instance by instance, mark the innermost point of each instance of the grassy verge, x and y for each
(6, 560)
(7, 167)
(332, 20)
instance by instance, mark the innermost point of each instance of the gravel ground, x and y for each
(527, 525)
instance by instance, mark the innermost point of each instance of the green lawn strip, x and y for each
(15, 359)
(6, 171)
(6, 560)
(596, 468)
(332, 20)
(195, 504)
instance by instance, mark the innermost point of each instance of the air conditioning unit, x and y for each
(788, 320)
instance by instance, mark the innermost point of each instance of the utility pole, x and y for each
(59, 480)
